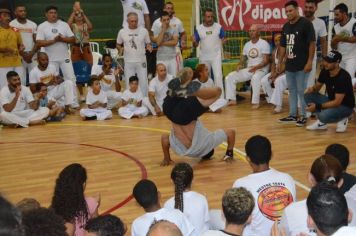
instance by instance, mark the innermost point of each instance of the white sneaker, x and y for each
(341, 126)
(317, 126)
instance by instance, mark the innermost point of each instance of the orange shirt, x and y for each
(10, 39)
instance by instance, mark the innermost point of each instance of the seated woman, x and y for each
(69, 201)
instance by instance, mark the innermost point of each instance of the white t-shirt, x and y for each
(134, 41)
(166, 52)
(255, 52)
(345, 231)
(23, 100)
(174, 22)
(208, 84)
(132, 98)
(320, 30)
(215, 233)
(273, 191)
(348, 50)
(27, 31)
(138, 6)
(39, 76)
(210, 41)
(141, 225)
(97, 70)
(160, 88)
(196, 209)
(92, 98)
(48, 31)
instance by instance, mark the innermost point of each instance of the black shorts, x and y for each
(182, 111)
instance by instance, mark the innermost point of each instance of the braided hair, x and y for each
(182, 176)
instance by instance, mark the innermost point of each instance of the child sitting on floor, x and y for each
(56, 113)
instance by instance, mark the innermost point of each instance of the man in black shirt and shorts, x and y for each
(184, 104)
(339, 104)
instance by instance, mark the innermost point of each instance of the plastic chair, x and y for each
(97, 58)
(82, 70)
(94, 46)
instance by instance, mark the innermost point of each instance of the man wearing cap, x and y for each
(11, 49)
(338, 105)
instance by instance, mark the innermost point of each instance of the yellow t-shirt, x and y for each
(10, 39)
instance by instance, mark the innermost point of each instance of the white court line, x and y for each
(299, 184)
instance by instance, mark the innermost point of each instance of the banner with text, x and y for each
(241, 14)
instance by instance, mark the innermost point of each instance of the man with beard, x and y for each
(28, 30)
(344, 38)
(338, 105)
(58, 90)
(11, 49)
(19, 108)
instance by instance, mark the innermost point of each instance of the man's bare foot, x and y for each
(37, 122)
(231, 102)
(166, 162)
(255, 106)
(68, 110)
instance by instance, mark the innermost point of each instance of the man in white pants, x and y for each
(310, 8)
(58, 90)
(28, 30)
(344, 38)
(55, 35)
(11, 49)
(157, 90)
(166, 38)
(18, 105)
(133, 41)
(256, 52)
(210, 35)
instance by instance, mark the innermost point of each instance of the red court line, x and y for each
(137, 162)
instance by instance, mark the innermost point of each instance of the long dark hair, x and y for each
(182, 177)
(68, 199)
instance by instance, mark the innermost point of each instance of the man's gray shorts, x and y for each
(203, 141)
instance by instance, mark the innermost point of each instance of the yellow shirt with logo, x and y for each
(10, 39)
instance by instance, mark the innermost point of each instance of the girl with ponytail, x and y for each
(194, 205)
(326, 169)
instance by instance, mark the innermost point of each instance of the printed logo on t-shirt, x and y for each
(137, 6)
(167, 36)
(272, 200)
(54, 30)
(132, 42)
(209, 32)
(290, 45)
(344, 34)
(253, 53)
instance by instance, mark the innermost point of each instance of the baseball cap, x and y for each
(4, 10)
(333, 56)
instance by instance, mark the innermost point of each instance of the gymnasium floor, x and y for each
(117, 153)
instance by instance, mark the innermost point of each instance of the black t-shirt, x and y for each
(296, 39)
(341, 83)
(349, 182)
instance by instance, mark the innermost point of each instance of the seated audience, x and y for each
(96, 101)
(324, 169)
(272, 190)
(237, 206)
(164, 228)
(147, 196)
(43, 221)
(194, 205)
(341, 153)
(109, 76)
(132, 101)
(19, 108)
(69, 202)
(157, 90)
(105, 225)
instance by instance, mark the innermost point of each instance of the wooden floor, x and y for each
(113, 152)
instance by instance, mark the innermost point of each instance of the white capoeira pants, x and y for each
(129, 111)
(4, 70)
(23, 118)
(146, 102)
(64, 93)
(280, 85)
(139, 69)
(100, 113)
(171, 65)
(218, 104)
(269, 91)
(349, 65)
(242, 76)
(113, 98)
(214, 65)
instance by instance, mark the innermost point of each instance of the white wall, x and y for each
(323, 7)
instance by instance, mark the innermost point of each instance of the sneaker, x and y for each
(288, 119)
(341, 126)
(317, 126)
(301, 121)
